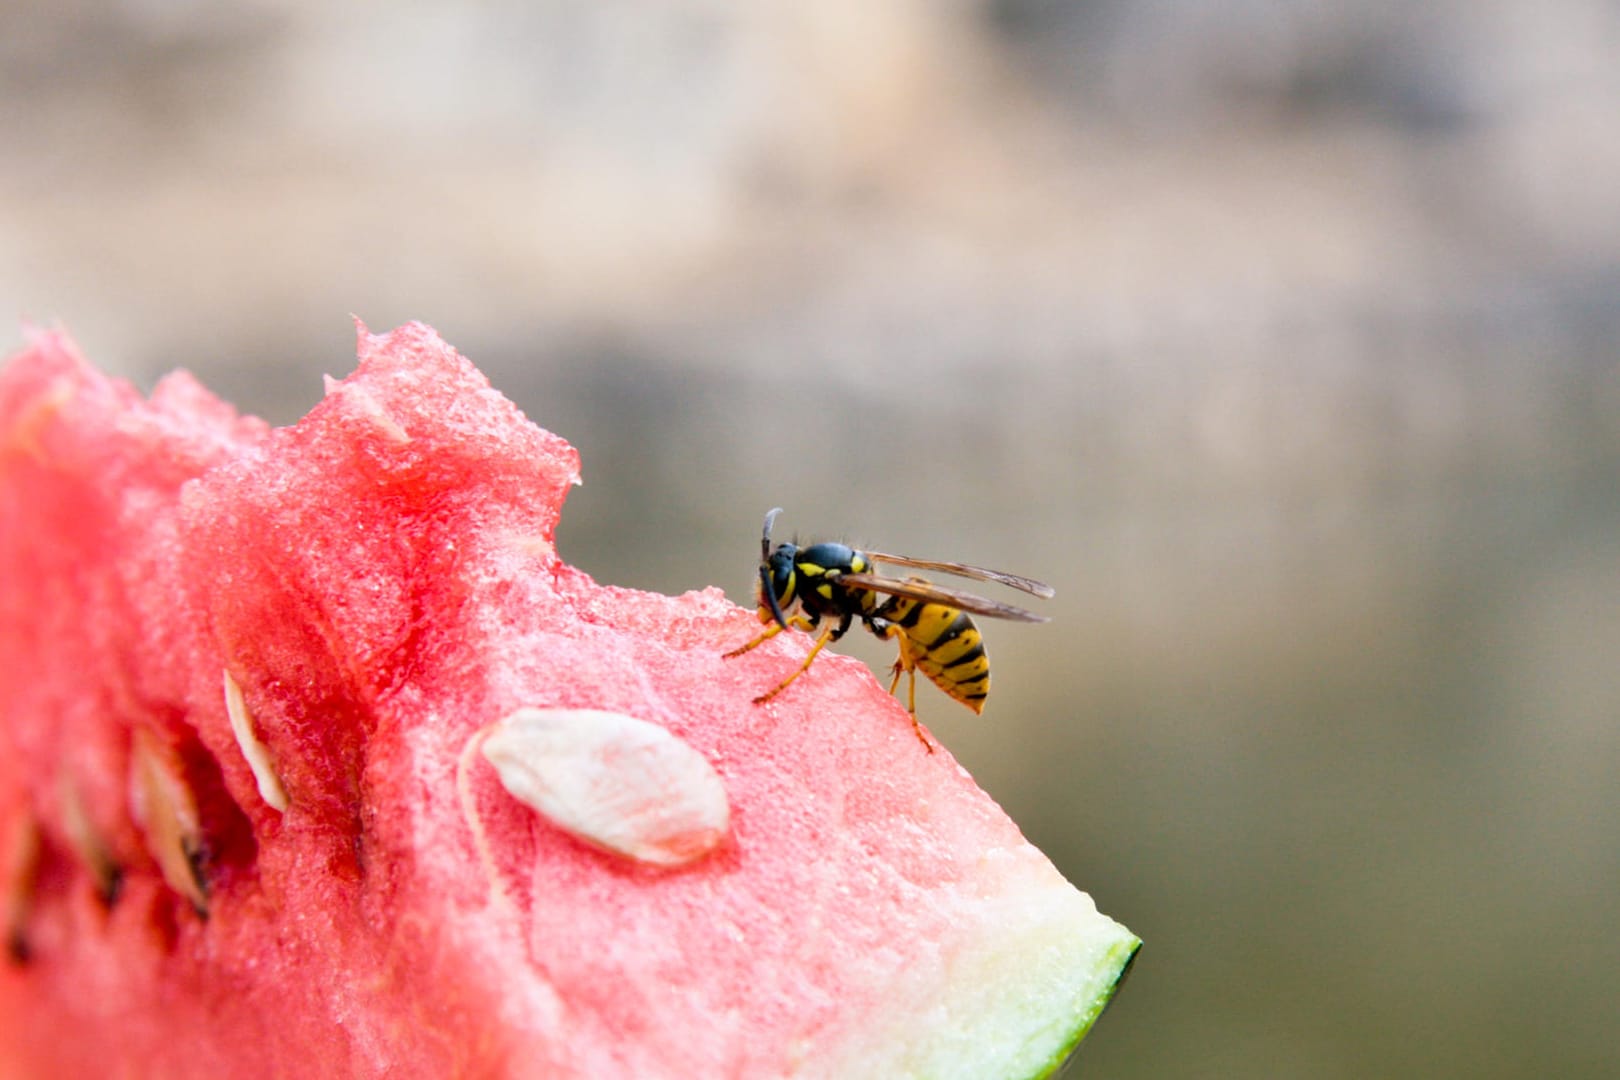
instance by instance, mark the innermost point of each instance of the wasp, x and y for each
(800, 586)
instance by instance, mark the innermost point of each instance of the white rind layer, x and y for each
(1033, 967)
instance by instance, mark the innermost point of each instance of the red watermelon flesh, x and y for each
(379, 582)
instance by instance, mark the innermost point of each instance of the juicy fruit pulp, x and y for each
(242, 673)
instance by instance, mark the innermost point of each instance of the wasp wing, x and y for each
(979, 573)
(930, 593)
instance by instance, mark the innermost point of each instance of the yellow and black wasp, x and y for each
(933, 626)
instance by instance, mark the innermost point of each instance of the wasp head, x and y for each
(777, 579)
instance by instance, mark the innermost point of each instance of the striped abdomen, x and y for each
(944, 644)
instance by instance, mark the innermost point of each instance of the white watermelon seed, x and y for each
(366, 406)
(87, 842)
(31, 419)
(256, 753)
(163, 806)
(19, 873)
(619, 783)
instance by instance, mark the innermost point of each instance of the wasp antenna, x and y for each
(765, 537)
(770, 594)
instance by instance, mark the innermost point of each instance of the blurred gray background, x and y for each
(1279, 336)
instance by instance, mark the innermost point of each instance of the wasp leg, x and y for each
(798, 622)
(905, 665)
(821, 643)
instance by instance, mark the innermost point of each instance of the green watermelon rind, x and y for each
(1119, 960)
(1007, 1003)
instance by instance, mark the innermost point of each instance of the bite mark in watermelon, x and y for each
(308, 874)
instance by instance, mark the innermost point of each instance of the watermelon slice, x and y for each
(317, 760)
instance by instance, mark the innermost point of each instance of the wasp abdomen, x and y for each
(945, 645)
